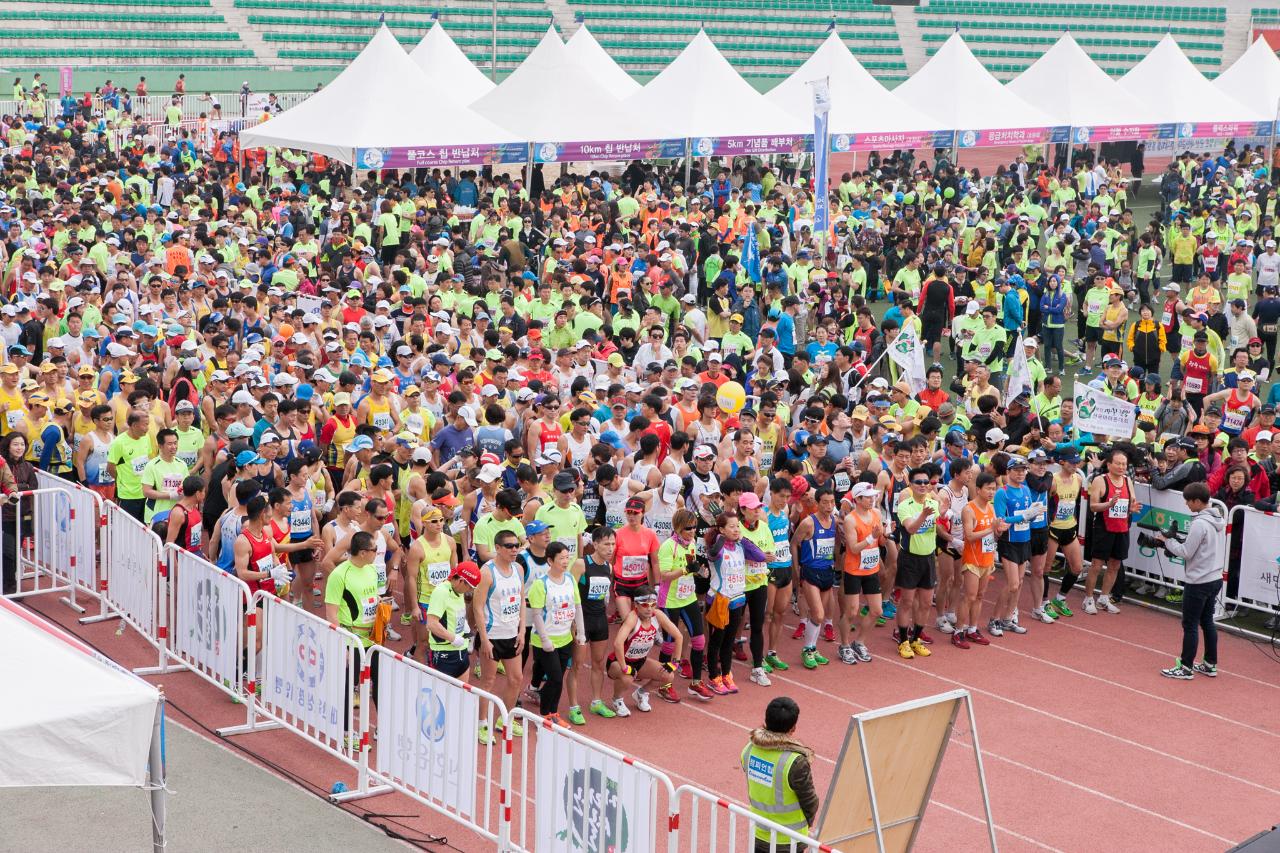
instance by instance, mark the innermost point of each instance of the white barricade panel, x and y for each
(1259, 585)
(133, 560)
(427, 728)
(711, 824)
(305, 671)
(1161, 509)
(209, 609)
(589, 800)
(73, 520)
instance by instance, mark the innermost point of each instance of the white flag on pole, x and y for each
(1019, 372)
(908, 353)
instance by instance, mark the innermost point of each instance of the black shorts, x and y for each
(780, 576)
(306, 555)
(452, 662)
(596, 627)
(1108, 545)
(916, 571)
(1039, 541)
(822, 579)
(861, 584)
(1111, 347)
(621, 591)
(931, 333)
(1014, 552)
(1093, 334)
(503, 649)
(1064, 535)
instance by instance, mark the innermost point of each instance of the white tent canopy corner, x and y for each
(584, 48)
(364, 107)
(1254, 79)
(1181, 95)
(440, 58)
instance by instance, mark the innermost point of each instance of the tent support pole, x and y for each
(688, 163)
(156, 781)
(1271, 157)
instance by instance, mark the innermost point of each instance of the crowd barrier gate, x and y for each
(76, 519)
(701, 816)
(1258, 586)
(39, 530)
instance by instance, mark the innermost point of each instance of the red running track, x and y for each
(1084, 742)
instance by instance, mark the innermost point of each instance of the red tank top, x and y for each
(640, 643)
(260, 551)
(1196, 374)
(1116, 518)
(549, 436)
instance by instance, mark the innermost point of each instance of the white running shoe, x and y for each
(392, 634)
(995, 628)
(1013, 625)
(847, 655)
(1090, 607)
(1104, 601)
(1040, 615)
(861, 651)
(944, 625)
(620, 707)
(1143, 588)
(759, 676)
(641, 698)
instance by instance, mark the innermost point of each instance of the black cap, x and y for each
(564, 482)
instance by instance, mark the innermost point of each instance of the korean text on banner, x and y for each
(309, 304)
(821, 154)
(1259, 566)
(427, 730)
(907, 352)
(1102, 414)
(304, 669)
(589, 801)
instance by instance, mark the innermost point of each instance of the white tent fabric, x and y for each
(364, 107)
(859, 103)
(584, 48)
(1092, 98)
(1180, 94)
(531, 102)
(440, 58)
(954, 87)
(1254, 78)
(81, 720)
(701, 95)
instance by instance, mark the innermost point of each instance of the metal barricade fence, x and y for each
(77, 519)
(438, 743)
(208, 621)
(705, 822)
(40, 561)
(315, 683)
(1258, 581)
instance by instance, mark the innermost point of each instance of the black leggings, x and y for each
(555, 668)
(757, 601)
(720, 644)
(691, 617)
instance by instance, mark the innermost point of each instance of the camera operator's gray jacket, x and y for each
(1201, 549)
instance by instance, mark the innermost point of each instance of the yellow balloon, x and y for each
(731, 398)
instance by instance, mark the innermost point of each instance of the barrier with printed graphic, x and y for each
(69, 519)
(208, 618)
(1258, 586)
(40, 562)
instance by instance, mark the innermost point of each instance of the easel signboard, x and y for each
(885, 774)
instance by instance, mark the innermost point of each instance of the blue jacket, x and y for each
(1012, 310)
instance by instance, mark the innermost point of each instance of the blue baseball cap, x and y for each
(360, 442)
(304, 392)
(248, 457)
(535, 527)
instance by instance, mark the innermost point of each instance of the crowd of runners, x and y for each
(619, 422)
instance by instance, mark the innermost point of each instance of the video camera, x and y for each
(1148, 540)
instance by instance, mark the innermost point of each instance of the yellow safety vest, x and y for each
(769, 792)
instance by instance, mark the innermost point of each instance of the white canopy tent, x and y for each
(1254, 79)
(859, 102)
(1180, 94)
(588, 53)
(701, 95)
(1092, 97)
(82, 720)
(364, 107)
(532, 103)
(440, 58)
(954, 87)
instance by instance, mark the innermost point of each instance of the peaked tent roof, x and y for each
(701, 95)
(444, 63)
(1092, 99)
(583, 47)
(955, 87)
(1180, 94)
(1254, 78)
(859, 103)
(359, 110)
(531, 101)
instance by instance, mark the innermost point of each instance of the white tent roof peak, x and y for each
(584, 48)
(440, 58)
(1092, 99)
(859, 103)
(1254, 78)
(357, 109)
(1167, 78)
(956, 88)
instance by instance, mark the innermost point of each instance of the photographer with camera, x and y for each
(1201, 552)
(1178, 467)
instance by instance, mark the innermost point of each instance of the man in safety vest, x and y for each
(779, 775)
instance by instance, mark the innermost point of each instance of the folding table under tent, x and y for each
(82, 719)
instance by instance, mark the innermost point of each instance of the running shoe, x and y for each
(1174, 597)
(641, 698)
(766, 666)
(517, 730)
(759, 676)
(740, 650)
(406, 619)
(881, 619)
(795, 602)
(1040, 614)
(685, 669)
(890, 610)
(819, 659)
(1059, 606)
(807, 659)
(1179, 672)
(701, 690)
(995, 628)
(1144, 588)
(921, 650)
(575, 716)
(1090, 607)
(393, 635)
(600, 709)
(864, 611)
(717, 686)
(620, 708)
(958, 640)
(847, 655)
(667, 693)
(727, 681)
(976, 636)
(861, 651)
(556, 720)
(1209, 669)
(1013, 625)
(1105, 602)
(829, 632)
(798, 633)
(905, 651)
(925, 638)
(944, 625)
